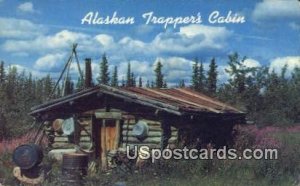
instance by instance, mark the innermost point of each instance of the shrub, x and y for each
(285, 140)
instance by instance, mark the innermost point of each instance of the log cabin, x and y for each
(107, 118)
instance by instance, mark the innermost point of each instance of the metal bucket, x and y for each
(27, 156)
(74, 168)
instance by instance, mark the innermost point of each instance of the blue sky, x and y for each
(37, 35)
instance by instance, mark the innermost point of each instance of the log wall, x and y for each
(62, 142)
(153, 139)
(126, 137)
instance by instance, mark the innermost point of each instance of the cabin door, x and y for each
(108, 138)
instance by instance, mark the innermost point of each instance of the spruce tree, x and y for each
(132, 79)
(237, 70)
(2, 72)
(159, 77)
(201, 78)
(140, 82)
(195, 75)
(104, 74)
(114, 78)
(212, 77)
(48, 86)
(181, 84)
(148, 84)
(11, 83)
(30, 88)
(129, 80)
(165, 85)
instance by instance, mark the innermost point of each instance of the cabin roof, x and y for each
(178, 101)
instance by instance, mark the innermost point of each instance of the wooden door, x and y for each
(108, 138)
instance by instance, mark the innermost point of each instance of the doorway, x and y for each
(107, 138)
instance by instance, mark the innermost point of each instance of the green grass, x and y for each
(281, 172)
(186, 173)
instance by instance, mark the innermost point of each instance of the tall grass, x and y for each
(284, 171)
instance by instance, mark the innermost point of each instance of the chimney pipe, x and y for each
(88, 73)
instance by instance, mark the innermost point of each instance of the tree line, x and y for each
(267, 97)
(131, 80)
(19, 91)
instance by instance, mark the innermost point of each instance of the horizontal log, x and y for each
(85, 123)
(88, 128)
(62, 145)
(131, 145)
(108, 115)
(65, 139)
(151, 122)
(147, 140)
(85, 145)
(129, 136)
(84, 133)
(130, 127)
(154, 128)
(85, 139)
(150, 134)
(111, 110)
(61, 139)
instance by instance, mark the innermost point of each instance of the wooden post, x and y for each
(166, 134)
(103, 145)
(118, 133)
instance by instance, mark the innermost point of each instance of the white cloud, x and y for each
(53, 50)
(251, 63)
(129, 47)
(139, 68)
(143, 29)
(50, 62)
(26, 7)
(270, 9)
(54, 64)
(19, 28)
(61, 40)
(177, 63)
(175, 68)
(189, 40)
(210, 33)
(106, 41)
(278, 63)
(192, 38)
(35, 73)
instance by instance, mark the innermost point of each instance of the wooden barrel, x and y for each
(74, 168)
(27, 156)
